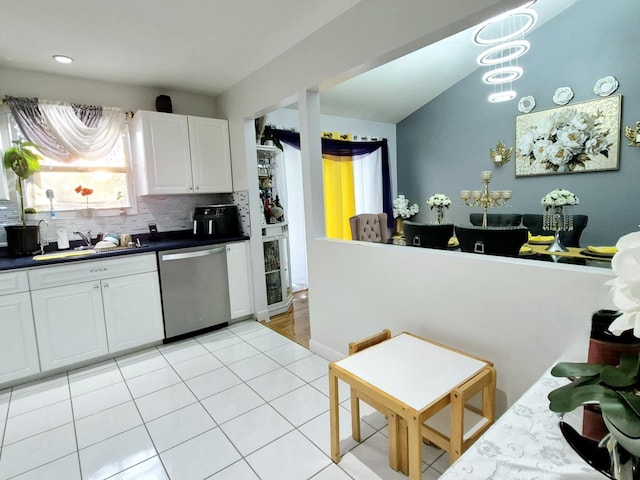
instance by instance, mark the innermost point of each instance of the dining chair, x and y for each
(369, 227)
(504, 241)
(497, 219)
(427, 235)
(570, 238)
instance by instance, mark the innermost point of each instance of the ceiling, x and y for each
(206, 46)
(199, 46)
(393, 91)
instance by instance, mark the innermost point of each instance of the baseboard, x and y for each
(325, 352)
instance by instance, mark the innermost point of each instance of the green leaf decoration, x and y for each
(630, 363)
(616, 377)
(23, 161)
(566, 400)
(632, 400)
(569, 369)
(621, 416)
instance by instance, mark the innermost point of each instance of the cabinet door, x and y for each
(210, 155)
(165, 150)
(132, 310)
(240, 297)
(69, 324)
(18, 349)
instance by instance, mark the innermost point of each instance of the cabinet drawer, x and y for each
(90, 270)
(13, 282)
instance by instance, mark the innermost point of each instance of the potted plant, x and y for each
(615, 388)
(24, 162)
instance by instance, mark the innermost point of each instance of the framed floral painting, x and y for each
(582, 137)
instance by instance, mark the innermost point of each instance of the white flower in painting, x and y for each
(541, 150)
(401, 207)
(572, 138)
(565, 140)
(625, 288)
(582, 121)
(559, 154)
(526, 142)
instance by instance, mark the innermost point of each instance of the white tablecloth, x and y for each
(524, 444)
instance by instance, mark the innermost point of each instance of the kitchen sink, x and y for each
(64, 254)
(78, 252)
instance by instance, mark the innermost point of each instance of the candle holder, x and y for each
(501, 154)
(485, 198)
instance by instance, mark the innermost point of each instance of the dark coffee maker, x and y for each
(216, 221)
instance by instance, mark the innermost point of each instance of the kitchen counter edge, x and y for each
(13, 263)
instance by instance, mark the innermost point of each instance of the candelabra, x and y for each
(485, 198)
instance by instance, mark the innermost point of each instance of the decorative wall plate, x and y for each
(563, 95)
(605, 86)
(526, 104)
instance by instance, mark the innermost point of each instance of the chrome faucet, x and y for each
(86, 238)
(41, 243)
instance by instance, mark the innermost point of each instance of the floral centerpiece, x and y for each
(557, 217)
(439, 201)
(615, 388)
(566, 140)
(402, 210)
(559, 198)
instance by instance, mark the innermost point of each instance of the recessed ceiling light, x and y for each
(62, 59)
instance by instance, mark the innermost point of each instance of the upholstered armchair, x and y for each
(369, 227)
(570, 238)
(496, 219)
(427, 235)
(505, 241)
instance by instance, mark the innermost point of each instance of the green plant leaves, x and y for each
(568, 369)
(21, 159)
(564, 400)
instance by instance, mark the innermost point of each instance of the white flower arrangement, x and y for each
(625, 289)
(566, 140)
(559, 198)
(401, 207)
(438, 200)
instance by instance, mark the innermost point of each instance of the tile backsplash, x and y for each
(168, 212)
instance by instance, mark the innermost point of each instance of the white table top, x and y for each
(413, 371)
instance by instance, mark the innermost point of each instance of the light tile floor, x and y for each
(240, 403)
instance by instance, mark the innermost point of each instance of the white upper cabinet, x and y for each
(178, 154)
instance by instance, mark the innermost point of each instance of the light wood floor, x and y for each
(294, 323)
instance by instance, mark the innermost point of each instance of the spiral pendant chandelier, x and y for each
(503, 35)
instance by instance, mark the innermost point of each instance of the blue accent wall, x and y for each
(443, 146)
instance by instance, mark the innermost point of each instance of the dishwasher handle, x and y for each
(197, 253)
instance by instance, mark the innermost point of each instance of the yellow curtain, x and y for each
(339, 195)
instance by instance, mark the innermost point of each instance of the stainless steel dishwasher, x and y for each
(195, 289)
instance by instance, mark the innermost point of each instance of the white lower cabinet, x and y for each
(105, 306)
(69, 324)
(238, 268)
(132, 309)
(18, 349)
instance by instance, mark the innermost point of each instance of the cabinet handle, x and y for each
(197, 188)
(96, 286)
(106, 285)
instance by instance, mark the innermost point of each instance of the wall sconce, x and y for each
(501, 154)
(633, 135)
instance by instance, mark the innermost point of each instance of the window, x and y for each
(55, 186)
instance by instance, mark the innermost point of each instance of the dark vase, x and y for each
(163, 104)
(605, 347)
(22, 239)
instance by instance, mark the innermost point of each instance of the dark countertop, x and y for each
(161, 241)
